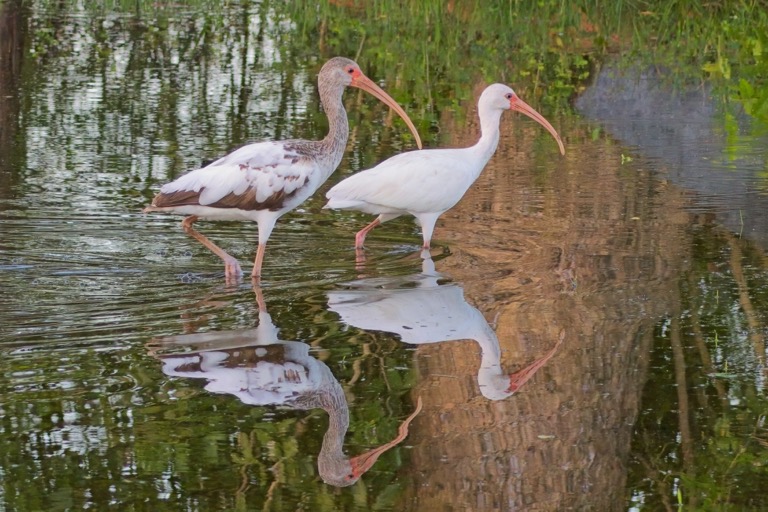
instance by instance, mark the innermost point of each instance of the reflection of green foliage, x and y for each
(169, 445)
(728, 465)
(546, 45)
(176, 447)
(431, 53)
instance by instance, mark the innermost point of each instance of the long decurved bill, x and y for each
(363, 82)
(363, 462)
(515, 103)
(517, 379)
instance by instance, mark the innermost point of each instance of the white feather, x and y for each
(426, 183)
(430, 180)
(267, 167)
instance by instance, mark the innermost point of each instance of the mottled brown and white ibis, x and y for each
(260, 182)
(260, 369)
(426, 183)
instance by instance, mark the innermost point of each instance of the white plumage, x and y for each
(266, 167)
(426, 183)
(416, 182)
(420, 310)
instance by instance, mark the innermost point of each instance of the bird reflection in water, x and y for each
(260, 369)
(425, 308)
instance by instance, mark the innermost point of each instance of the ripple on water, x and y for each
(87, 280)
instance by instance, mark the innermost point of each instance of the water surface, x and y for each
(656, 393)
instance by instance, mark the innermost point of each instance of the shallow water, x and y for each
(657, 392)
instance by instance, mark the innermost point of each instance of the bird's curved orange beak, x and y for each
(515, 103)
(517, 379)
(362, 463)
(361, 81)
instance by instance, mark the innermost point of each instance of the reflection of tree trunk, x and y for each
(755, 330)
(12, 29)
(541, 259)
(701, 345)
(321, 38)
(653, 474)
(683, 406)
(682, 390)
(241, 105)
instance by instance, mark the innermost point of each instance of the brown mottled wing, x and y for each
(180, 198)
(264, 177)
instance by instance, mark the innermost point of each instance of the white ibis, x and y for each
(420, 310)
(259, 369)
(262, 181)
(426, 183)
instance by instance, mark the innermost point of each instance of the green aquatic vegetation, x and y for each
(722, 43)
(548, 50)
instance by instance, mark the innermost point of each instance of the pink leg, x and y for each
(259, 298)
(427, 221)
(256, 274)
(231, 266)
(360, 259)
(360, 236)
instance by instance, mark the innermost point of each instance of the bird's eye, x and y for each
(350, 70)
(509, 95)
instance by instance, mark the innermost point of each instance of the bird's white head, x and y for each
(502, 97)
(340, 72)
(497, 96)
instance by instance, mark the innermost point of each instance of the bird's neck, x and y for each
(489, 136)
(334, 144)
(490, 352)
(334, 403)
(490, 377)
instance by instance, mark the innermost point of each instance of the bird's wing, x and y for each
(418, 181)
(255, 177)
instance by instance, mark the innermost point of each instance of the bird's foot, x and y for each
(232, 270)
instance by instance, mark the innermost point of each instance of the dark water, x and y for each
(132, 377)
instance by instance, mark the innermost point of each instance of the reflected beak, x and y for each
(363, 82)
(520, 106)
(363, 463)
(516, 380)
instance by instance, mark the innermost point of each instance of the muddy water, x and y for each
(655, 395)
